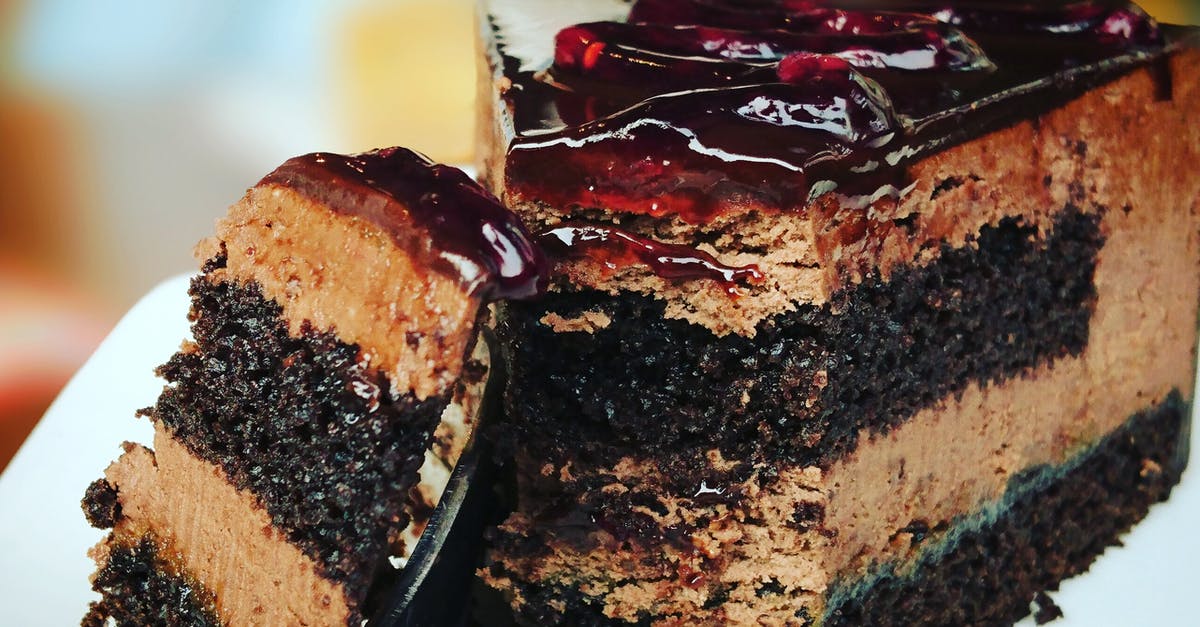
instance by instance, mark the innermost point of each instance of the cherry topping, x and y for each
(705, 56)
(696, 107)
(803, 67)
(681, 153)
(1129, 24)
(805, 16)
(627, 55)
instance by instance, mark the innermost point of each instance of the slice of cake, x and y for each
(333, 321)
(858, 317)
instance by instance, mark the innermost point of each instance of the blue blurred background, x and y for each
(128, 126)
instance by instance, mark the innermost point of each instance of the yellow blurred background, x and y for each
(127, 127)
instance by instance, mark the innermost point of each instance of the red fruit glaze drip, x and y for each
(427, 206)
(615, 248)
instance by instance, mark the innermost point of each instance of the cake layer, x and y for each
(138, 586)
(1051, 523)
(808, 381)
(1024, 169)
(342, 276)
(986, 273)
(333, 327)
(984, 567)
(384, 250)
(663, 513)
(321, 439)
(221, 536)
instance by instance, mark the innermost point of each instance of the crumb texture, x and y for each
(808, 381)
(984, 568)
(629, 538)
(137, 588)
(323, 441)
(100, 504)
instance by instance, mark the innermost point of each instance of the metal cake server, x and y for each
(434, 588)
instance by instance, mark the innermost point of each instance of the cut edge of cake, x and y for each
(333, 378)
(656, 553)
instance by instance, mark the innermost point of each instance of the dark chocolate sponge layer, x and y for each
(1049, 533)
(137, 588)
(299, 422)
(100, 504)
(810, 379)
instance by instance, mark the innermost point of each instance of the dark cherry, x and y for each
(686, 153)
(469, 232)
(628, 56)
(802, 67)
(617, 248)
(703, 56)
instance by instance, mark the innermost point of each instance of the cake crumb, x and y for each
(587, 322)
(1047, 610)
(101, 505)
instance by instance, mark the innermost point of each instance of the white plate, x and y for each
(44, 538)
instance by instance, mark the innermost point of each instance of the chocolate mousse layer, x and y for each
(1050, 525)
(216, 536)
(385, 249)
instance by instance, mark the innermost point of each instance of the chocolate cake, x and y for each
(334, 322)
(858, 317)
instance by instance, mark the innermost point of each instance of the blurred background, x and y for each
(128, 126)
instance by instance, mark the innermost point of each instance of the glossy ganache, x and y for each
(469, 232)
(690, 153)
(654, 56)
(694, 108)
